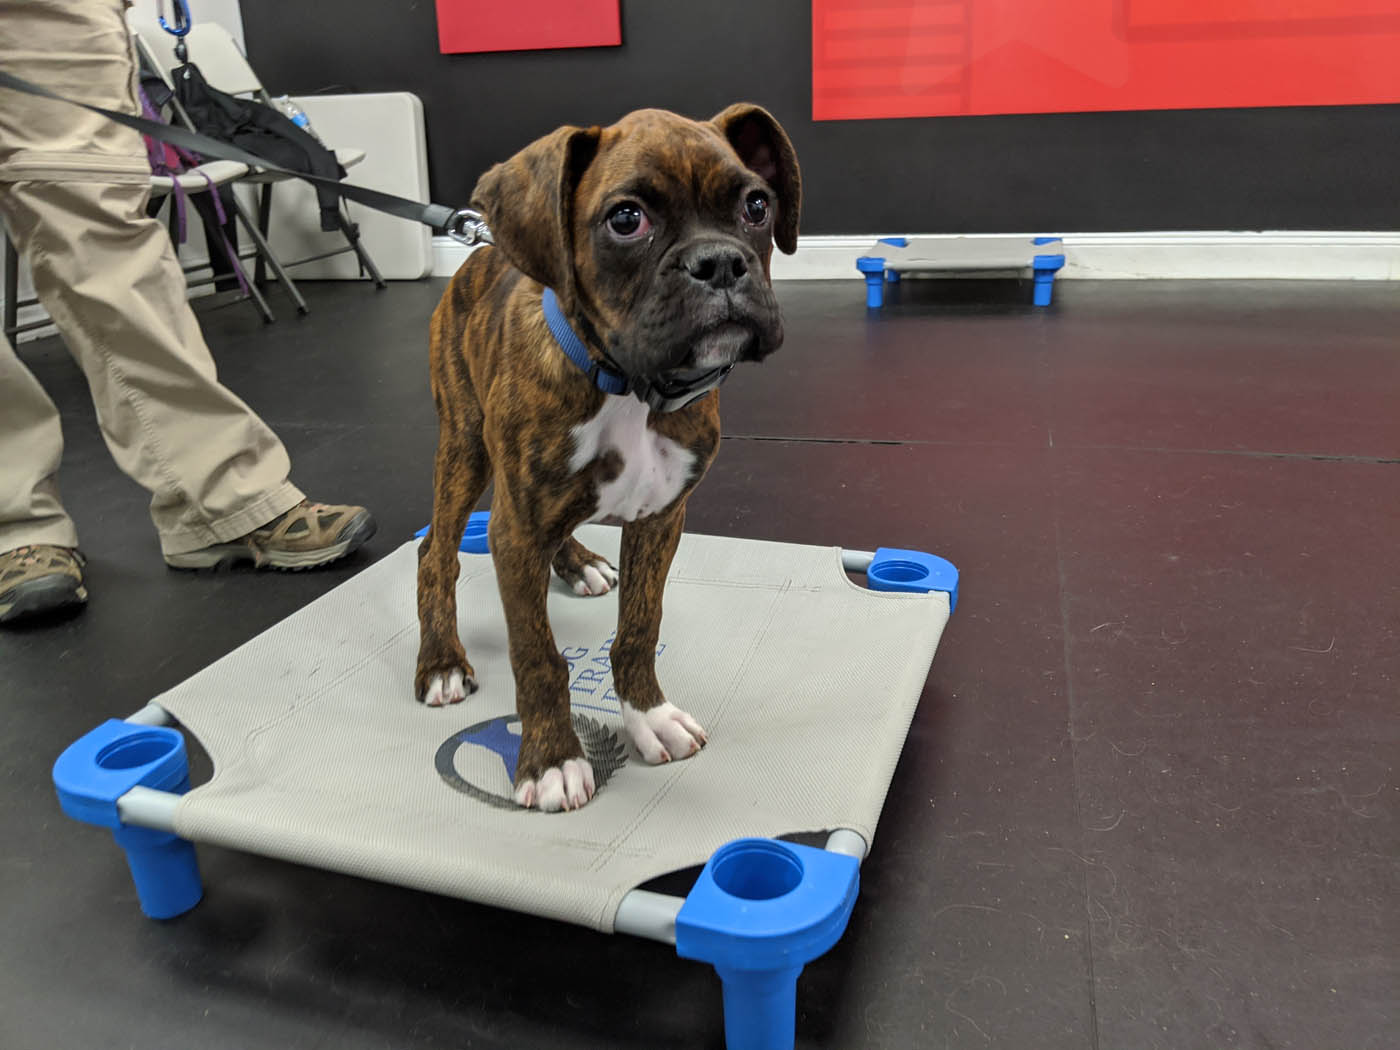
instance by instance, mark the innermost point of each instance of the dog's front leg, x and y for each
(659, 730)
(552, 772)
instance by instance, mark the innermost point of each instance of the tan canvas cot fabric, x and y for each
(805, 681)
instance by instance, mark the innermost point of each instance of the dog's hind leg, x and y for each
(461, 471)
(588, 574)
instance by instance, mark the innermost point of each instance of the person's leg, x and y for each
(109, 279)
(31, 445)
(40, 570)
(73, 188)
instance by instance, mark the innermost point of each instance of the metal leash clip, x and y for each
(469, 227)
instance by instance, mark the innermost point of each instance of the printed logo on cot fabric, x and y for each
(480, 761)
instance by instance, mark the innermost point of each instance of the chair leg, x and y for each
(256, 295)
(253, 292)
(349, 229)
(264, 252)
(352, 234)
(11, 284)
(264, 218)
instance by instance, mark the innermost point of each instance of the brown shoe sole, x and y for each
(227, 555)
(45, 594)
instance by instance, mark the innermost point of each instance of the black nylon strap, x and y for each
(436, 215)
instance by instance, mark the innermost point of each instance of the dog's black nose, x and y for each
(720, 266)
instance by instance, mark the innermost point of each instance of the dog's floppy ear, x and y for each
(528, 202)
(764, 147)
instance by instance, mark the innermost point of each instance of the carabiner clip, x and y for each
(469, 227)
(182, 18)
(180, 29)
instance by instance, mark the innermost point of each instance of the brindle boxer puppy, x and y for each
(655, 236)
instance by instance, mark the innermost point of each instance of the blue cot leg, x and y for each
(892, 276)
(874, 291)
(760, 1008)
(1045, 267)
(873, 267)
(760, 911)
(105, 764)
(164, 868)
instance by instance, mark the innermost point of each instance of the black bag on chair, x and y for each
(260, 130)
(215, 208)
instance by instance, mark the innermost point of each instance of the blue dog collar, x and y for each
(662, 393)
(605, 379)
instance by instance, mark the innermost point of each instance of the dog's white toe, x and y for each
(663, 733)
(598, 577)
(452, 689)
(567, 787)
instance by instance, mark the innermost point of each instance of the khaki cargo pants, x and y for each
(73, 190)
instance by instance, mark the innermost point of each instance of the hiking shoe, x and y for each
(38, 579)
(308, 535)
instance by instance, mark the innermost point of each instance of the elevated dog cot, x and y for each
(805, 682)
(1039, 258)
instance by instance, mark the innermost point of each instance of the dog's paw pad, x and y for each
(450, 688)
(569, 786)
(663, 733)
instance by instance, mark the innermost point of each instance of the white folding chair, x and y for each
(153, 59)
(206, 178)
(226, 68)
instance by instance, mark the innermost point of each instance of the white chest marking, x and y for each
(655, 469)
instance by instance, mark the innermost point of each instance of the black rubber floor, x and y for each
(1150, 796)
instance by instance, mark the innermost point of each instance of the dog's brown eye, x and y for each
(628, 220)
(756, 208)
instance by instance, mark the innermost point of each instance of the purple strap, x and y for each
(171, 161)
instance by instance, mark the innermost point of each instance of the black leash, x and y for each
(663, 393)
(462, 224)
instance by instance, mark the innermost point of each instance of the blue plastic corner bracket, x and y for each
(1044, 268)
(913, 571)
(102, 766)
(760, 911)
(873, 267)
(892, 276)
(474, 536)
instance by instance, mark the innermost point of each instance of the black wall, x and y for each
(1298, 168)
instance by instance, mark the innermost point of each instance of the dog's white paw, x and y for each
(566, 787)
(451, 688)
(598, 578)
(663, 733)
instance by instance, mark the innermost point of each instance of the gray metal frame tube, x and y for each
(856, 561)
(145, 807)
(151, 715)
(650, 915)
(851, 843)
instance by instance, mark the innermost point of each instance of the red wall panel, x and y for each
(912, 58)
(526, 25)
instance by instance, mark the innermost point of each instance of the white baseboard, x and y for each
(1269, 255)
